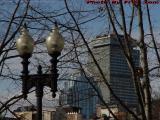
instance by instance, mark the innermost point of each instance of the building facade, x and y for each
(113, 63)
(82, 95)
(104, 114)
(59, 113)
(29, 113)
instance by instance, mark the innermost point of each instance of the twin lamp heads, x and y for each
(54, 42)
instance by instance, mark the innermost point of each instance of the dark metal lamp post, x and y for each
(25, 45)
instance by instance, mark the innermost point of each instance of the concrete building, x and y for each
(59, 113)
(74, 116)
(104, 114)
(112, 61)
(29, 113)
(7, 118)
(73, 113)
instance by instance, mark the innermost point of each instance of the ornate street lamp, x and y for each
(25, 45)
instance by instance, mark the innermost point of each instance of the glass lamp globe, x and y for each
(25, 43)
(55, 42)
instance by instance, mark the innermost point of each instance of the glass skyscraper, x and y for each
(81, 94)
(110, 57)
(113, 63)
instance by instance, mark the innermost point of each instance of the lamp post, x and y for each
(25, 45)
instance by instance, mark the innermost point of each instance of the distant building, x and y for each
(59, 113)
(7, 118)
(113, 63)
(73, 113)
(156, 109)
(104, 114)
(29, 113)
(80, 94)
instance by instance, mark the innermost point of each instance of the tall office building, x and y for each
(80, 94)
(112, 61)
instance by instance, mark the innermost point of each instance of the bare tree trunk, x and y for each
(143, 48)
